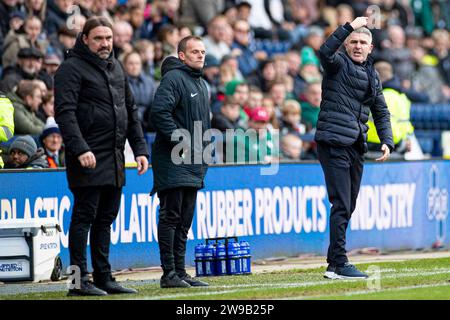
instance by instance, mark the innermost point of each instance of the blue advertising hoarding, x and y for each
(402, 205)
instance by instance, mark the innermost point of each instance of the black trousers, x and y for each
(343, 169)
(94, 210)
(175, 218)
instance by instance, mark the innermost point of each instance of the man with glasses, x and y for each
(243, 48)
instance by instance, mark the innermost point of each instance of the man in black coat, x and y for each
(95, 111)
(351, 90)
(181, 106)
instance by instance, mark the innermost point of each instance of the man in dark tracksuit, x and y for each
(350, 91)
(95, 111)
(181, 105)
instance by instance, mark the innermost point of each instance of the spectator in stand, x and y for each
(62, 41)
(201, 12)
(345, 14)
(290, 122)
(214, 41)
(24, 154)
(260, 146)
(278, 93)
(311, 104)
(309, 72)
(26, 101)
(264, 76)
(27, 68)
(184, 31)
(137, 20)
(86, 7)
(58, 13)
(269, 106)
(427, 78)
(146, 50)
(36, 8)
(211, 73)
(30, 38)
(294, 64)
(255, 99)
(47, 108)
(16, 21)
(52, 143)
(142, 86)
(247, 55)
(7, 7)
(441, 39)
(100, 8)
(239, 91)
(169, 36)
(228, 117)
(267, 20)
(51, 64)
(397, 53)
(244, 9)
(123, 34)
(291, 147)
(230, 12)
(313, 41)
(232, 62)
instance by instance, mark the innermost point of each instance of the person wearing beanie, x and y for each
(52, 142)
(24, 154)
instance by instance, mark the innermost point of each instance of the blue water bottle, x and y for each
(209, 259)
(239, 258)
(221, 263)
(233, 261)
(199, 260)
(246, 257)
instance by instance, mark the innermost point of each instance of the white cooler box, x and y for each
(29, 250)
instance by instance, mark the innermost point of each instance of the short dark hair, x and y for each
(183, 43)
(94, 22)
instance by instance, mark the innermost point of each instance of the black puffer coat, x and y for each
(180, 100)
(95, 111)
(350, 91)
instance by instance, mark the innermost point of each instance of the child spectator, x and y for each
(290, 118)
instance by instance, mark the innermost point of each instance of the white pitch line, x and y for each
(250, 287)
(354, 293)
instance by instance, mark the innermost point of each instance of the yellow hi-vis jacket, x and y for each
(399, 106)
(6, 121)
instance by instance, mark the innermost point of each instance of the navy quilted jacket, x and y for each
(350, 91)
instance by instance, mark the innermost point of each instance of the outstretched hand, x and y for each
(359, 22)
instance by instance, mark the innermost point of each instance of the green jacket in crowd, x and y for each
(25, 120)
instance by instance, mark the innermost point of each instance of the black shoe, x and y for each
(331, 272)
(172, 280)
(87, 288)
(349, 271)
(113, 287)
(193, 282)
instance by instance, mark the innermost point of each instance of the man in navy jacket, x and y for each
(351, 90)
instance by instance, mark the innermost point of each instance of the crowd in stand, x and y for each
(262, 67)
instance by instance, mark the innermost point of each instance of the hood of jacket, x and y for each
(393, 83)
(82, 51)
(172, 63)
(38, 160)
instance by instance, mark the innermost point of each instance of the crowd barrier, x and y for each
(402, 205)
